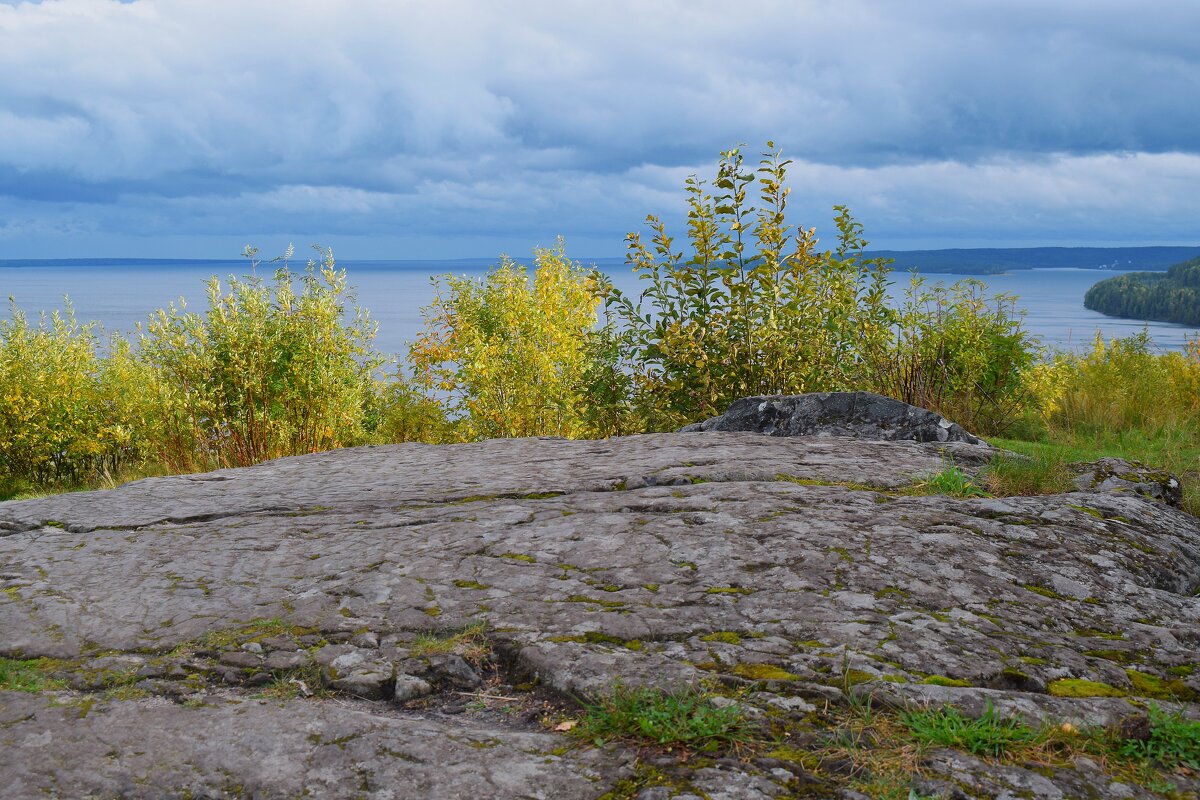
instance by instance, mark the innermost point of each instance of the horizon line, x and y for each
(80, 260)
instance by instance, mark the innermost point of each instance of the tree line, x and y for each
(1170, 297)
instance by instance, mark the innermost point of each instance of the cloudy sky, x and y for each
(456, 128)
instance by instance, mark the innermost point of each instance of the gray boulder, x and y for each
(1119, 475)
(861, 415)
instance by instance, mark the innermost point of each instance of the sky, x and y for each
(466, 128)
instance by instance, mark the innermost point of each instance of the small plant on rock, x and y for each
(1171, 740)
(950, 481)
(989, 735)
(681, 717)
(1010, 475)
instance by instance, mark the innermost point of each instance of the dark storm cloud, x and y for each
(446, 122)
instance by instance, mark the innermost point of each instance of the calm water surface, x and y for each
(120, 296)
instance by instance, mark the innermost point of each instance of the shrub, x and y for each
(399, 412)
(960, 353)
(1123, 384)
(507, 355)
(269, 370)
(65, 412)
(754, 309)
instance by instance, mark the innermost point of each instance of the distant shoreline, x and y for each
(960, 261)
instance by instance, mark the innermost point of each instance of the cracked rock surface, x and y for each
(787, 568)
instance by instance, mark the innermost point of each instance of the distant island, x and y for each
(995, 260)
(1173, 296)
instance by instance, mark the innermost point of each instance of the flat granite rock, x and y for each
(770, 564)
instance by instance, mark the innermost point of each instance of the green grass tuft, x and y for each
(1014, 475)
(951, 481)
(681, 717)
(1173, 741)
(29, 675)
(989, 735)
(471, 643)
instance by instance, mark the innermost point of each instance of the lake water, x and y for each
(119, 296)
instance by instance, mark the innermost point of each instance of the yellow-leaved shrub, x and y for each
(268, 370)
(1123, 384)
(506, 355)
(67, 413)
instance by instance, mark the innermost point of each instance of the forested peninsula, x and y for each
(1173, 296)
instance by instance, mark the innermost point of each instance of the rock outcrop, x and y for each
(861, 415)
(412, 620)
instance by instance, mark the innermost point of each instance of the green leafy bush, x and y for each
(753, 309)
(1122, 399)
(400, 412)
(1173, 741)
(1123, 384)
(960, 353)
(268, 370)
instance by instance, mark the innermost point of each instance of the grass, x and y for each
(1174, 448)
(988, 735)
(1173, 741)
(29, 675)
(470, 643)
(302, 682)
(950, 481)
(684, 717)
(17, 489)
(879, 752)
(1020, 475)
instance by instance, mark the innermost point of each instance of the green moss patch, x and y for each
(1096, 633)
(1078, 687)
(853, 677)
(471, 585)
(728, 637)
(942, 680)
(582, 598)
(1117, 656)
(764, 672)
(1147, 685)
(1044, 591)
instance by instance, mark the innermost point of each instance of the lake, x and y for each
(119, 296)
